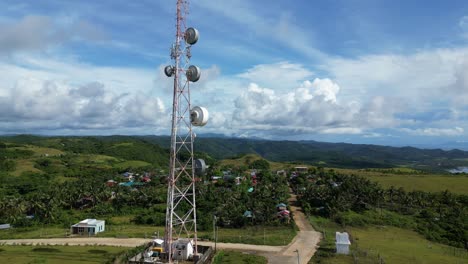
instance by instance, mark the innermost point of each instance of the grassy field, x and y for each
(95, 158)
(422, 182)
(249, 158)
(274, 236)
(41, 151)
(258, 235)
(57, 254)
(396, 245)
(393, 245)
(33, 232)
(234, 257)
(24, 165)
(132, 164)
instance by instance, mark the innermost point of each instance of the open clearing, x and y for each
(274, 236)
(57, 254)
(394, 245)
(415, 182)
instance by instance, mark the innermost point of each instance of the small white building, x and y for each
(5, 226)
(342, 243)
(88, 227)
(301, 169)
(182, 249)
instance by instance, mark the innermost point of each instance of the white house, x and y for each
(88, 227)
(342, 243)
(182, 249)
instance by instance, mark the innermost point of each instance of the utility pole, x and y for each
(214, 227)
(298, 259)
(216, 240)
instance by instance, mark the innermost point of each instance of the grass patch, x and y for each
(427, 183)
(46, 249)
(132, 164)
(415, 182)
(24, 165)
(95, 159)
(33, 232)
(41, 151)
(257, 235)
(137, 231)
(249, 158)
(397, 245)
(394, 245)
(269, 235)
(237, 257)
(58, 254)
(121, 219)
(123, 144)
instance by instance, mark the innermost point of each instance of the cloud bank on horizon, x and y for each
(384, 72)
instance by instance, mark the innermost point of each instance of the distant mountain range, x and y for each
(327, 154)
(343, 155)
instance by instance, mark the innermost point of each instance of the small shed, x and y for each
(182, 249)
(5, 226)
(88, 227)
(342, 243)
(301, 169)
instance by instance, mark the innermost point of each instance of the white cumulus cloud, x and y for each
(312, 107)
(456, 131)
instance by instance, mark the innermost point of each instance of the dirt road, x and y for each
(305, 243)
(132, 242)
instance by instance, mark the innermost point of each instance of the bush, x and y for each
(375, 217)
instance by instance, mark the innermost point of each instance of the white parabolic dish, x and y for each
(199, 116)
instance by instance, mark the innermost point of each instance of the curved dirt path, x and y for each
(305, 243)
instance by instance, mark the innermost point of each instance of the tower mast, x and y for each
(181, 220)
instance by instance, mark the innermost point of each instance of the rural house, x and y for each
(88, 227)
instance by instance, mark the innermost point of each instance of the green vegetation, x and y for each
(340, 155)
(396, 245)
(58, 254)
(260, 235)
(256, 235)
(61, 180)
(132, 164)
(237, 258)
(391, 244)
(438, 216)
(428, 183)
(69, 184)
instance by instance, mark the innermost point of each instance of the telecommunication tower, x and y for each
(181, 220)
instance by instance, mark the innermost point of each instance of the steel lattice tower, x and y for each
(181, 220)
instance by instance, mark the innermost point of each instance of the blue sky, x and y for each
(367, 71)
